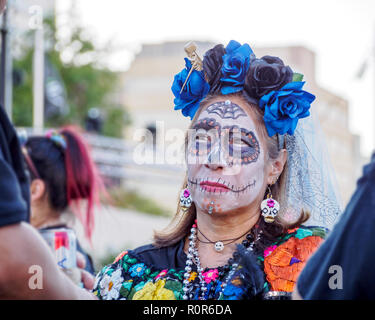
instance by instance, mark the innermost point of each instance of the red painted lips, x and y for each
(214, 186)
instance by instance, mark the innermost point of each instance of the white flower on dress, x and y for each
(96, 283)
(110, 285)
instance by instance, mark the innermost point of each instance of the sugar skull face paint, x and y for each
(230, 166)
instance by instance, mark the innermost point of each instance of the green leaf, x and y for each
(297, 77)
(173, 285)
(124, 292)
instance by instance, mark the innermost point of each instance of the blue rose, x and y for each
(283, 108)
(196, 88)
(236, 62)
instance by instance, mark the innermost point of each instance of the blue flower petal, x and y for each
(292, 126)
(188, 64)
(264, 100)
(305, 114)
(195, 89)
(270, 130)
(236, 62)
(293, 85)
(229, 90)
(232, 45)
(283, 108)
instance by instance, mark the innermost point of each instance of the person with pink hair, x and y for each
(63, 176)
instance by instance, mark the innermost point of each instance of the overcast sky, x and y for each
(341, 32)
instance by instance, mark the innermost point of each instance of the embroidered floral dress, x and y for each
(149, 273)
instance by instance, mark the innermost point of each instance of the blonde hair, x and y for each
(181, 223)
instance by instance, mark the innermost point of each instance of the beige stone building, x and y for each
(147, 95)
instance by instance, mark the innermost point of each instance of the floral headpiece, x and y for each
(266, 82)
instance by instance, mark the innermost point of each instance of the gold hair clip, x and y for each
(196, 62)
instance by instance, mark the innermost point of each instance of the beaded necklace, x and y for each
(194, 254)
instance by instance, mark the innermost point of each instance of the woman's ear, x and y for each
(37, 190)
(277, 167)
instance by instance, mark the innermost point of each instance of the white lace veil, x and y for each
(310, 184)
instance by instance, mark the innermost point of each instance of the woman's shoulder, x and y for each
(133, 269)
(158, 257)
(286, 257)
(304, 239)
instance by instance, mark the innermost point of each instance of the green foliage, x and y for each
(87, 85)
(115, 120)
(22, 95)
(130, 199)
(297, 77)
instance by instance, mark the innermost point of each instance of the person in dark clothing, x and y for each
(342, 268)
(21, 246)
(14, 184)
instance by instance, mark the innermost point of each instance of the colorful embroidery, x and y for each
(154, 291)
(210, 275)
(110, 285)
(283, 265)
(137, 270)
(119, 257)
(129, 278)
(161, 274)
(232, 291)
(192, 277)
(269, 250)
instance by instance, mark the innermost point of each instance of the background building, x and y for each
(147, 95)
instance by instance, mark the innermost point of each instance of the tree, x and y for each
(87, 84)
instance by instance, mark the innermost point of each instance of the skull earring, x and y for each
(269, 207)
(185, 200)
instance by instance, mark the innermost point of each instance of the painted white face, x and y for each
(226, 161)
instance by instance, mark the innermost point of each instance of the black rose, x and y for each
(212, 62)
(265, 75)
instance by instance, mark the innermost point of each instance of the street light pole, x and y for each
(38, 81)
(6, 77)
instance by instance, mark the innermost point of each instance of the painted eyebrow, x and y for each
(207, 124)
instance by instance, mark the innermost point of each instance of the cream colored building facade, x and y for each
(147, 95)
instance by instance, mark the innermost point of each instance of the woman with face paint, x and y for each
(238, 231)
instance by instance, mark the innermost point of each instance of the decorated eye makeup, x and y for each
(207, 124)
(206, 129)
(242, 143)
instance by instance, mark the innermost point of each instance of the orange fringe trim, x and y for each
(120, 256)
(279, 273)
